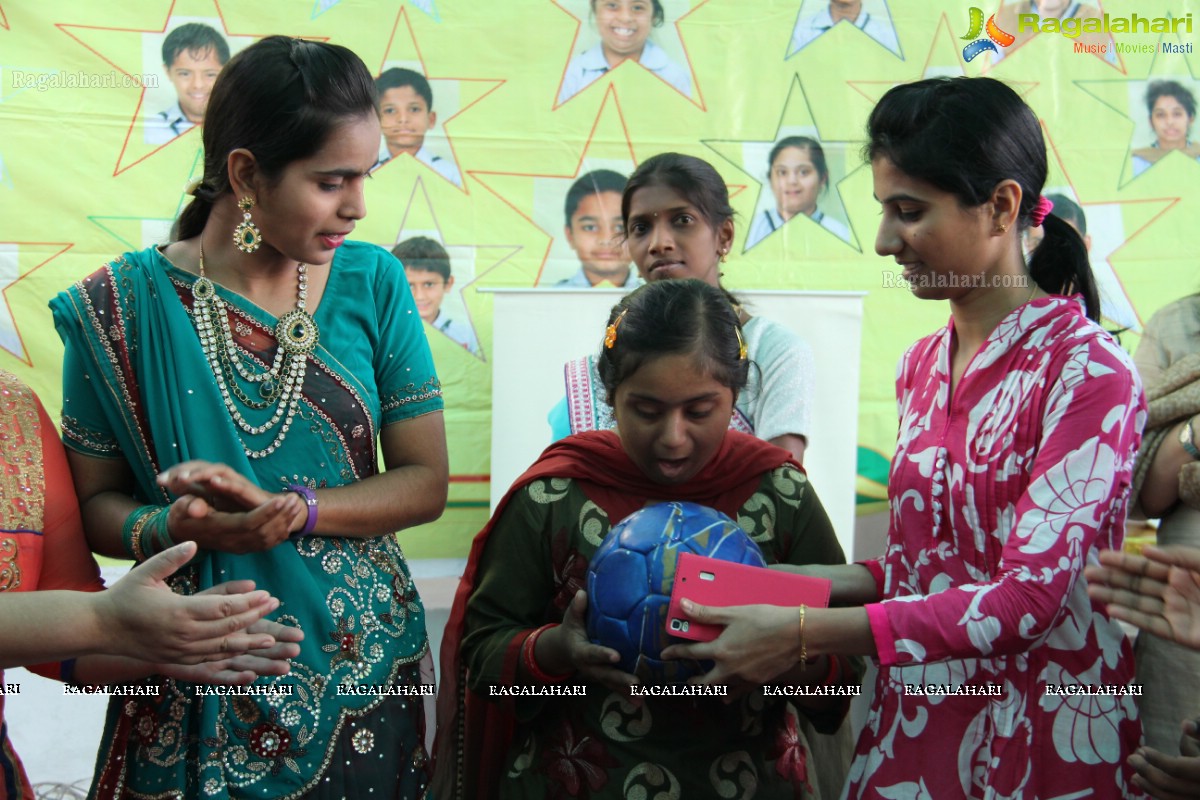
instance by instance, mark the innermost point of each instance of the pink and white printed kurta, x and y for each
(999, 496)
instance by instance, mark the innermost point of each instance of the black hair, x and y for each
(398, 78)
(966, 135)
(1157, 89)
(659, 15)
(280, 98)
(196, 38)
(1067, 209)
(692, 177)
(423, 253)
(674, 317)
(816, 154)
(594, 182)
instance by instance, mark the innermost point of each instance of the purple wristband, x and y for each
(310, 500)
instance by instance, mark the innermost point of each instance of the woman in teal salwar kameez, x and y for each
(237, 394)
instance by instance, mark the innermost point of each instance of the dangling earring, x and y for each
(246, 235)
(724, 250)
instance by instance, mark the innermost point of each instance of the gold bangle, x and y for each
(135, 539)
(803, 647)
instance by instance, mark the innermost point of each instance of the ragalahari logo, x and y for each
(995, 36)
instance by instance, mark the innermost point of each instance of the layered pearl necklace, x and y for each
(280, 386)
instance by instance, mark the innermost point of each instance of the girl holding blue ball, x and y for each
(673, 360)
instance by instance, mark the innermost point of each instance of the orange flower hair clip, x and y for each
(610, 333)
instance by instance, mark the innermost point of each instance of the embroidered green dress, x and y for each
(138, 387)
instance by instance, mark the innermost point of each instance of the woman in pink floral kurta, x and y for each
(999, 496)
(1019, 422)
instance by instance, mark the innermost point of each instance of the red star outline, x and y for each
(990, 65)
(1169, 202)
(4, 20)
(480, 175)
(796, 86)
(698, 100)
(498, 82)
(23, 356)
(66, 29)
(507, 250)
(943, 30)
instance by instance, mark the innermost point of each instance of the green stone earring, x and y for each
(246, 235)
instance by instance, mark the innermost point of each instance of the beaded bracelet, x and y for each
(531, 665)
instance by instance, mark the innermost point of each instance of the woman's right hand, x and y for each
(220, 509)
(142, 618)
(568, 644)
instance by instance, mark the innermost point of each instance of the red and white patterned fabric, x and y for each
(1000, 493)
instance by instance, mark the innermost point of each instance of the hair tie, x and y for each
(610, 333)
(1038, 215)
(191, 186)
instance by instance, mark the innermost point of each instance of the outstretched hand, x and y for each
(246, 668)
(144, 619)
(759, 643)
(220, 509)
(1158, 591)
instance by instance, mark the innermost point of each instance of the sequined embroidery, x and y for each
(412, 393)
(22, 480)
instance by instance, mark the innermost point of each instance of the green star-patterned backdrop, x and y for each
(83, 177)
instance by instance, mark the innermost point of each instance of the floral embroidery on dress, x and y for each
(791, 754)
(271, 742)
(570, 764)
(22, 474)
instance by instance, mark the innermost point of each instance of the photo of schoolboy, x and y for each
(427, 266)
(595, 232)
(624, 28)
(817, 17)
(193, 55)
(404, 100)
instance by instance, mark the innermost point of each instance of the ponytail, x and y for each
(194, 216)
(1059, 265)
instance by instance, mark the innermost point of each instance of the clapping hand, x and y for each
(1158, 592)
(220, 509)
(148, 621)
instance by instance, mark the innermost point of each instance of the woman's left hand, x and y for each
(759, 643)
(219, 485)
(246, 668)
